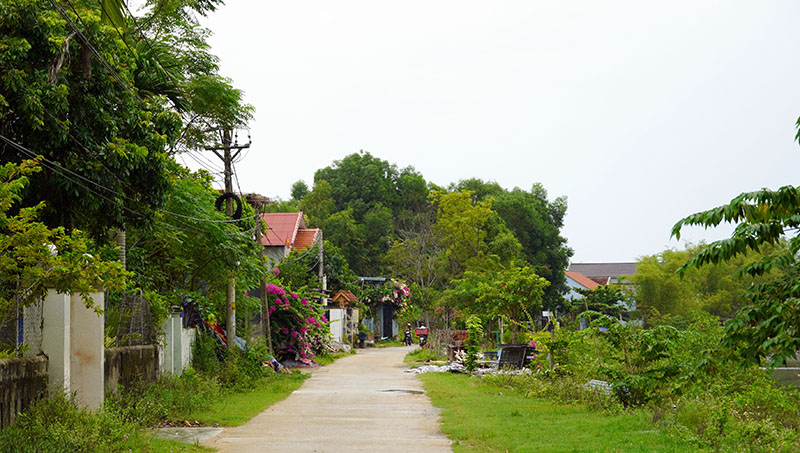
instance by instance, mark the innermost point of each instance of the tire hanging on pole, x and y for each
(237, 214)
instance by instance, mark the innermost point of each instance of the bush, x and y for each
(169, 398)
(565, 389)
(56, 424)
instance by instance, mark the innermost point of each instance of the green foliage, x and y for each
(177, 259)
(28, 265)
(605, 299)
(298, 269)
(170, 398)
(535, 223)
(645, 362)
(474, 338)
(424, 355)
(661, 290)
(57, 424)
(85, 118)
(766, 325)
(318, 204)
(299, 190)
(372, 192)
(512, 292)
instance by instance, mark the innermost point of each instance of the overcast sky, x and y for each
(639, 112)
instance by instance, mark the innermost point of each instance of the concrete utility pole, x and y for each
(227, 159)
(258, 202)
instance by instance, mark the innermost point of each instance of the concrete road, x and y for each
(363, 402)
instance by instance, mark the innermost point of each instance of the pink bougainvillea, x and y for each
(297, 332)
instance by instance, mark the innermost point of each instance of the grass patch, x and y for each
(388, 343)
(483, 417)
(237, 408)
(419, 355)
(327, 359)
(169, 446)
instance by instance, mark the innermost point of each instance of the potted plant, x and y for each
(363, 334)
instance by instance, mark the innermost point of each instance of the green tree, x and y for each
(318, 204)
(34, 257)
(343, 231)
(82, 117)
(536, 224)
(605, 299)
(299, 190)
(716, 288)
(767, 324)
(175, 257)
(512, 292)
(107, 111)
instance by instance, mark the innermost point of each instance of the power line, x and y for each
(56, 167)
(103, 7)
(89, 45)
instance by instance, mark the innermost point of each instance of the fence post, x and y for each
(56, 340)
(87, 374)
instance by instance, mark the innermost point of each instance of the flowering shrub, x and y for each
(392, 291)
(299, 328)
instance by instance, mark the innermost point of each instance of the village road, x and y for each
(363, 402)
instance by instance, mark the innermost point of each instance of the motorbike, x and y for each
(408, 340)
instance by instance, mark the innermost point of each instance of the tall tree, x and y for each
(536, 223)
(299, 190)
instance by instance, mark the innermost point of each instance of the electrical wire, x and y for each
(85, 40)
(63, 170)
(110, 20)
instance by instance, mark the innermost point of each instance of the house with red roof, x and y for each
(287, 231)
(576, 281)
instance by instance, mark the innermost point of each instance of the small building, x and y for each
(343, 316)
(604, 273)
(383, 324)
(287, 231)
(576, 281)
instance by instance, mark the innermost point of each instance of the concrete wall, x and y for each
(274, 255)
(22, 381)
(129, 364)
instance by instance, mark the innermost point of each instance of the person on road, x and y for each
(408, 339)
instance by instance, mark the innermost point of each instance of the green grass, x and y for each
(420, 356)
(237, 408)
(388, 343)
(483, 417)
(327, 359)
(168, 446)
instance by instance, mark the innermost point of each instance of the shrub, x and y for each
(57, 424)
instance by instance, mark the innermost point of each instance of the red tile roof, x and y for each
(582, 279)
(305, 238)
(601, 280)
(282, 228)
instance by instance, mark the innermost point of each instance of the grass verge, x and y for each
(483, 417)
(388, 343)
(235, 409)
(419, 356)
(327, 359)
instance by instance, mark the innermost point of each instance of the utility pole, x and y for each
(258, 202)
(227, 159)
